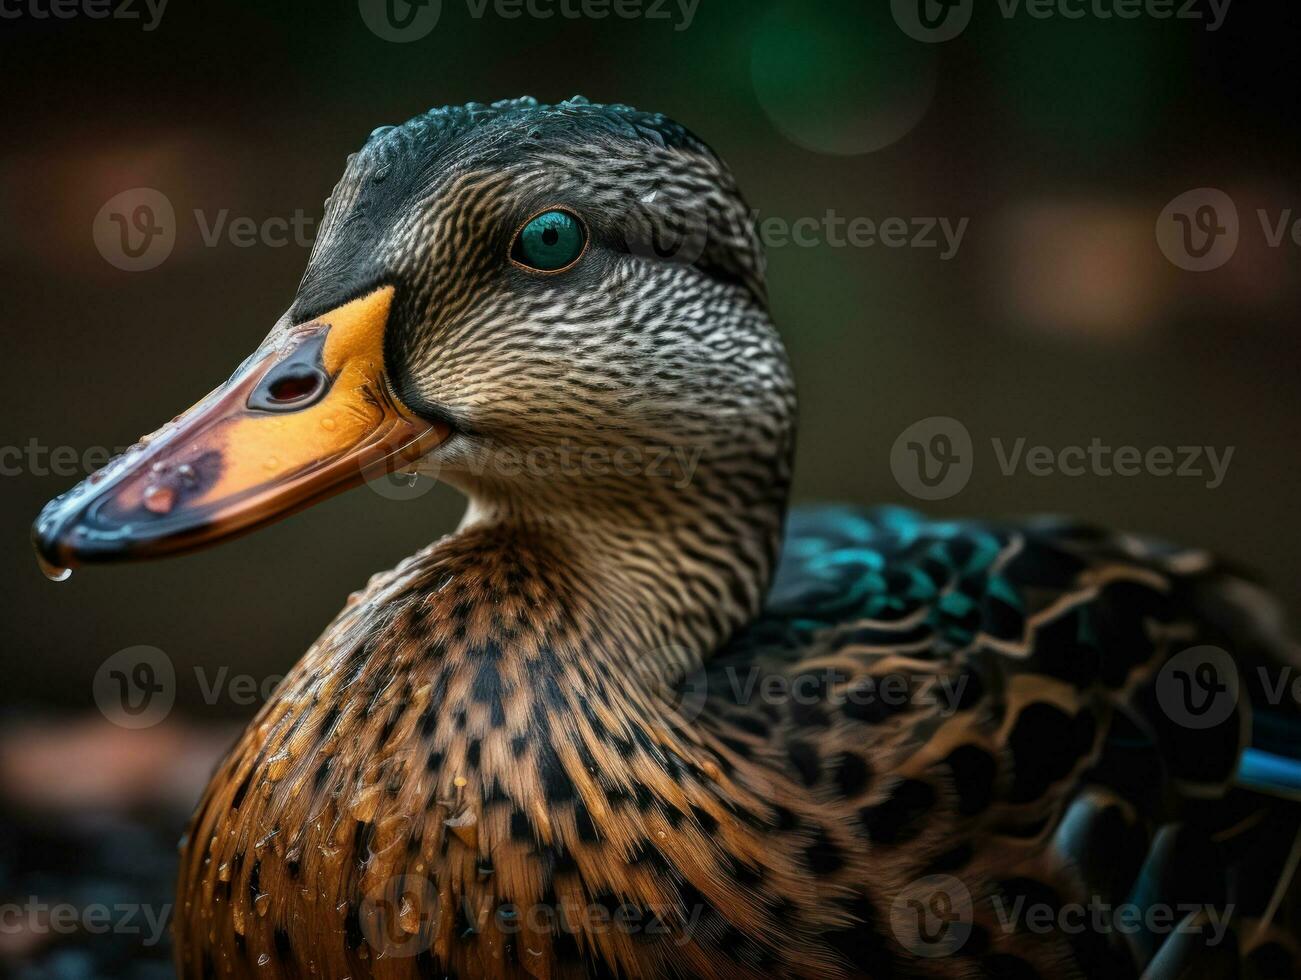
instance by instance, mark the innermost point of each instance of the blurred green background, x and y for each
(1057, 320)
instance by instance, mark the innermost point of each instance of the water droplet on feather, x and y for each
(465, 826)
(408, 916)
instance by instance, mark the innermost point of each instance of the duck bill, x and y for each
(309, 415)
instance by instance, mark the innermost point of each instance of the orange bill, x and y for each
(309, 415)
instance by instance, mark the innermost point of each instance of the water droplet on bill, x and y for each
(159, 500)
(54, 573)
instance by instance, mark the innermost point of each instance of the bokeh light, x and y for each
(840, 77)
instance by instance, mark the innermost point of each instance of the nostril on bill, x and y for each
(300, 380)
(294, 387)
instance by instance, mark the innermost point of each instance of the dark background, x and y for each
(1058, 320)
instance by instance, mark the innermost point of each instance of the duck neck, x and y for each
(651, 603)
(658, 581)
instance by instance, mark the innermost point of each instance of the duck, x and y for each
(636, 717)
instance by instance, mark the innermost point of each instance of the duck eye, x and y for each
(550, 242)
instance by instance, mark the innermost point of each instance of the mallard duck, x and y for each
(631, 719)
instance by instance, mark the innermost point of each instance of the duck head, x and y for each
(560, 309)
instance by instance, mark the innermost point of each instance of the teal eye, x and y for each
(550, 242)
